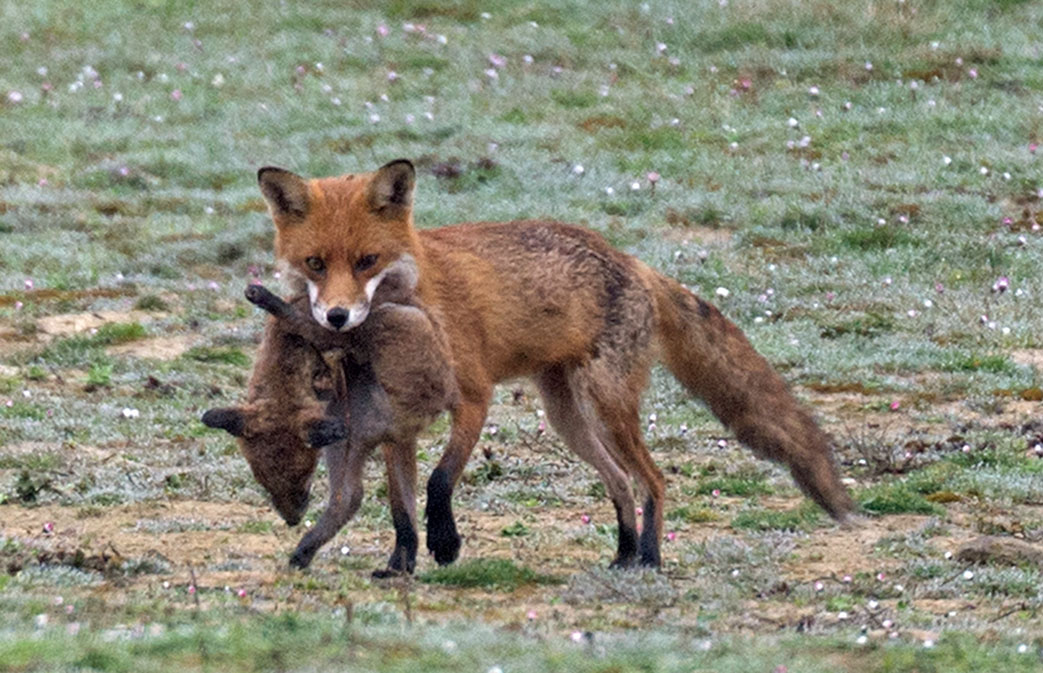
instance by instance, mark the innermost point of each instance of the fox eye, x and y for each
(365, 262)
(315, 264)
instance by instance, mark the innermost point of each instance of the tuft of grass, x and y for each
(99, 375)
(877, 237)
(868, 325)
(975, 362)
(516, 529)
(804, 517)
(228, 355)
(498, 574)
(27, 488)
(257, 527)
(114, 333)
(692, 514)
(571, 98)
(22, 409)
(151, 302)
(896, 498)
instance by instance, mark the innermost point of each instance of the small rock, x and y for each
(1000, 550)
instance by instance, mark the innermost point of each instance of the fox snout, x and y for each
(336, 318)
(342, 319)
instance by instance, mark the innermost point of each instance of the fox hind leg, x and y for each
(613, 382)
(625, 427)
(573, 419)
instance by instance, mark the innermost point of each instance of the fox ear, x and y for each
(285, 192)
(392, 188)
(225, 418)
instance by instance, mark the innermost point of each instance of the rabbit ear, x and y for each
(226, 418)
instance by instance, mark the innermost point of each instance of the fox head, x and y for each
(340, 237)
(281, 456)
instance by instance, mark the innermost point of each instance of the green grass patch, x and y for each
(250, 643)
(32, 462)
(151, 302)
(975, 362)
(99, 375)
(228, 355)
(805, 517)
(516, 529)
(896, 498)
(877, 237)
(23, 409)
(114, 333)
(692, 514)
(498, 574)
(869, 325)
(258, 527)
(84, 349)
(572, 98)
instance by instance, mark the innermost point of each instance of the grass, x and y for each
(225, 355)
(896, 498)
(499, 574)
(804, 517)
(236, 643)
(860, 247)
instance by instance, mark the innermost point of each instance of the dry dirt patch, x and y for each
(74, 323)
(1031, 357)
(159, 348)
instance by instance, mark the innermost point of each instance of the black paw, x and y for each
(650, 557)
(388, 573)
(401, 562)
(651, 561)
(302, 557)
(326, 431)
(444, 542)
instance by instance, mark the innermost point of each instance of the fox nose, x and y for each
(337, 317)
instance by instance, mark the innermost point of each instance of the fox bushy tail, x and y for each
(712, 358)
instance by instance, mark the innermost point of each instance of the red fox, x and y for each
(555, 303)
